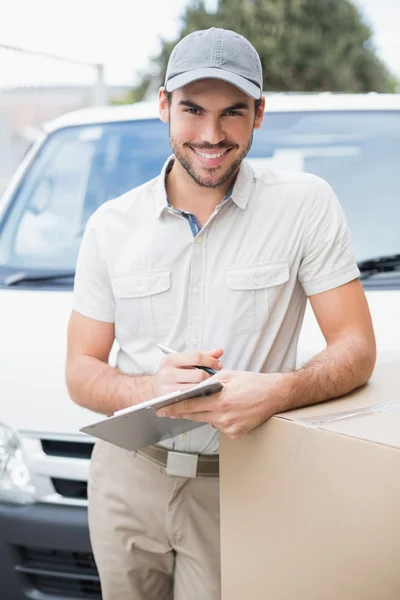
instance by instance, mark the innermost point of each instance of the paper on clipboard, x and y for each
(160, 401)
(139, 426)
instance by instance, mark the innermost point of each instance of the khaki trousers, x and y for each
(154, 536)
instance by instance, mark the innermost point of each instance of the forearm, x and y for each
(335, 371)
(97, 386)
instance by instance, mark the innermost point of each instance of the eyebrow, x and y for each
(237, 106)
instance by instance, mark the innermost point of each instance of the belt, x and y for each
(182, 464)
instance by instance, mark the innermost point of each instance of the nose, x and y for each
(212, 131)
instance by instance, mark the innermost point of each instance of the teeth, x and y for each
(211, 155)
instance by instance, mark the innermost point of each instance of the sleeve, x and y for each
(328, 259)
(93, 296)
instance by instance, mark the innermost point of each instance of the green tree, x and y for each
(304, 45)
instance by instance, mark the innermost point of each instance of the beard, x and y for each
(204, 180)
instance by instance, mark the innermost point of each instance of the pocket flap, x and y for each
(141, 283)
(257, 277)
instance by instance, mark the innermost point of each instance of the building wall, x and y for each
(25, 109)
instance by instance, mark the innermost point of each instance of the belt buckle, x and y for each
(180, 464)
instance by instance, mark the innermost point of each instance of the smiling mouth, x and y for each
(211, 155)
(211, 159)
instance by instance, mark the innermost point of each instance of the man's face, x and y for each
(211, 128)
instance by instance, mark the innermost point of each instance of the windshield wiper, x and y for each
(22, 276)
(380, 264)
(368, 267)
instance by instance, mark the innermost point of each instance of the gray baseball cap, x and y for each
(215, 54)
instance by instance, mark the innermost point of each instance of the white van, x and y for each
(80, 161)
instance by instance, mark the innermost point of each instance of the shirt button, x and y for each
(196, 290)
(140, 289)
(194, 341)
(199, 239)
(257, 280)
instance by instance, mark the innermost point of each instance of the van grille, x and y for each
(65, 462)
(66, 449)
(70, 488)
(62, 573)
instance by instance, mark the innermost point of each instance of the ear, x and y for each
(260, 114)
(163, 107)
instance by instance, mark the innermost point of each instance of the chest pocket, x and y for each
(251, 291)
(143, 303)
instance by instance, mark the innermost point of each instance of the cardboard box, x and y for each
(310, 501)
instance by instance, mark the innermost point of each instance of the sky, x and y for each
(124, 35)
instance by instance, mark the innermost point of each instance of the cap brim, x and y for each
(249, 88)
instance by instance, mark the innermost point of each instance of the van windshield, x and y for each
(79, 168)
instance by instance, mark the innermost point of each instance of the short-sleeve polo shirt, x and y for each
(240, 284)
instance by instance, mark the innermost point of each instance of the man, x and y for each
(216, 262)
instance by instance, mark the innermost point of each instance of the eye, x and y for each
(233, 113)
(192, 111)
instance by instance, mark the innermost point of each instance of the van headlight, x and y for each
(15, 479)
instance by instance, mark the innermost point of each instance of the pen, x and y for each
(167, 350)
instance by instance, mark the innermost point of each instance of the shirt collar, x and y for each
(240, 193)
(161, 192)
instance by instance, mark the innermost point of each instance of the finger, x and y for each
(216, 353)
(192, 406)
(189, 375)
(199, 417)
(192, 358)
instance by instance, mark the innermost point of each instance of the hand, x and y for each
(247, 400)
(177, 372)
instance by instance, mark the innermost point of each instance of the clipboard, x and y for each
(138, 426)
